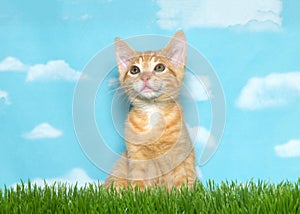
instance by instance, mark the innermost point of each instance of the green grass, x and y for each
(227, 197)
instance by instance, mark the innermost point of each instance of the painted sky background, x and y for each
(253, 46)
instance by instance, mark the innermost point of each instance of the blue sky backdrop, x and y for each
(253, 46)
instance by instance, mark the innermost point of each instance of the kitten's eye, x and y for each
(134, 70)
(159, 68)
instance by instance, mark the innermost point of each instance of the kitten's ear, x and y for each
(175, 50)
(123, 54)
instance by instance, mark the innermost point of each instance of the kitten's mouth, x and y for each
(148, 92)
(147, 89)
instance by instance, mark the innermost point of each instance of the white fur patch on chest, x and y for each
(154, 115)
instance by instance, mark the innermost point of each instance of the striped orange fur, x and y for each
(159, 150)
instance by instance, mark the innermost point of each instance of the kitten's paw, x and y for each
(116, 183)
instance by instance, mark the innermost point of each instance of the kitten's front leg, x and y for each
(137, 173)
(185, 173)
(118, 177)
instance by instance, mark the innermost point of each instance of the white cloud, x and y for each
(43, 130)
(290, 149)
(85, 16)
(219, 13)
(203, 142)
(53, 70)
(198, 134)
(4, 95)
(75, 176)
(201, 137)
(12, 64)
(273, 90)
(65, 18)
(77, 17)
(258, 26)
(198, 87)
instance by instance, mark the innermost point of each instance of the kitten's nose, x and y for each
(145, 77)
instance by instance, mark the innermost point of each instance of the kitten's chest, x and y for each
(151, 131)
(152, 120)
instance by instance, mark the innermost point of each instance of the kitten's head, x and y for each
(152, 74)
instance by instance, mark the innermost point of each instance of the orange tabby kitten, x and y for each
(159, 150)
